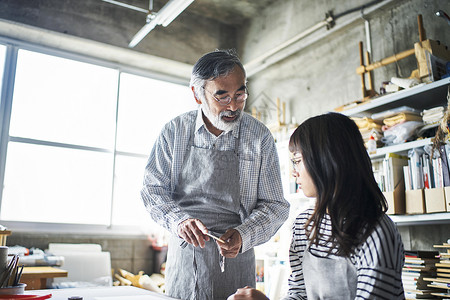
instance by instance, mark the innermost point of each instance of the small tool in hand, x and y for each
(215, 237)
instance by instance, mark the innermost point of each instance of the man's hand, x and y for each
(248, 293)
(193, 231)
(233, 243)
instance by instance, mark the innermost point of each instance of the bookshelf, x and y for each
(420, 97)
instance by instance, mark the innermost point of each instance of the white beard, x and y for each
(217, 121)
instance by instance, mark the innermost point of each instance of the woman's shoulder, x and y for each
(303, 216)
(384, 231)
(383, 246)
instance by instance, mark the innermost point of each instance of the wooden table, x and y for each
(36, 277)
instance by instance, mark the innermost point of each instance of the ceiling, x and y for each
(229, 12)
(205, 25)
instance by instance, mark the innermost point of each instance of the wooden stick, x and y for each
(422, 35)
(369, 73)
(385, 61)
(278, 111)
(361, 62)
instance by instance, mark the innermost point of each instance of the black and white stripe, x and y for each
(378, 260)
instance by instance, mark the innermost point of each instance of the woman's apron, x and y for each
(208, 189)
(329, 278)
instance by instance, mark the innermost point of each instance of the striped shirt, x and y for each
(263, 208)
(378, 260)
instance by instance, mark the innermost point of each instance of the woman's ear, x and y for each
(197, 99)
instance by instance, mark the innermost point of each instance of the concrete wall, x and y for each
(322, 76)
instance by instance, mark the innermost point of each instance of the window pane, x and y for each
(145, 105)
(2, 63)
(51, 184)
(128, 208)
(62, 100)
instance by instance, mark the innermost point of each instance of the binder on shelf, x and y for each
(394, 182)
(416, 168)
(443, 151)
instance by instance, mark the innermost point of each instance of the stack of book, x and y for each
(418, 266)
(441, 282)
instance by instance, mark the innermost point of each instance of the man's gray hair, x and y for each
(212, 65)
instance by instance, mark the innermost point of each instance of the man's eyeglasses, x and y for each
(239, 97)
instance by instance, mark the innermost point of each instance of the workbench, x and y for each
(36, 277)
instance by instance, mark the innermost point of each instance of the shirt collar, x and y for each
(199, 123)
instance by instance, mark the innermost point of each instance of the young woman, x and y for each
(346, 247)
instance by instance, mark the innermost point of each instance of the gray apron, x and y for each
(208, 189)
(327, 278)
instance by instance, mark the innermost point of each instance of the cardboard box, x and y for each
(415, 201)
(395, 201)
(435, 200)
(447, 197)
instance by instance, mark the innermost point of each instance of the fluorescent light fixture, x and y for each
(163, 17)
(172, 9)
(127, 6)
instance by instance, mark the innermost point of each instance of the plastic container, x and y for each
(371, 145)
(13, 290)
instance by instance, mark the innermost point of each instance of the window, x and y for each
(79, 139)
(2, 60)
(145, 105)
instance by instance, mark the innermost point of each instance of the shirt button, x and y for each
(214, 146)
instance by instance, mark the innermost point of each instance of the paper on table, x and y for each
(137, 297)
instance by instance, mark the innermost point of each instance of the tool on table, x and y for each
(10, 270)
(18, 275)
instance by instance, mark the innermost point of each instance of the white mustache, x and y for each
(230, 113)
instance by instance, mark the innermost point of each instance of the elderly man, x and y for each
(214, 171)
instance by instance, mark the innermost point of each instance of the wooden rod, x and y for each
(422, 35)
(361, 62)
(278, 111)
(385, 61)
(369, 77)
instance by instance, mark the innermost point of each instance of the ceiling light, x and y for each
(163, 17)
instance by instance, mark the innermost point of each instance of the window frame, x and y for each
(7, 88)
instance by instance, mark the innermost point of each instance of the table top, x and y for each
(47, 272)
(101, 293)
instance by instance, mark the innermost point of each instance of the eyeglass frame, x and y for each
(296, 161)
(246, 94)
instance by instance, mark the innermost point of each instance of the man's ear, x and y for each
(197, 99)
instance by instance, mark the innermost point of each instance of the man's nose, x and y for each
(234, 105)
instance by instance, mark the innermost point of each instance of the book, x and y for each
(416, 168)
(445, 170)
(393, 170)
(421, 254)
